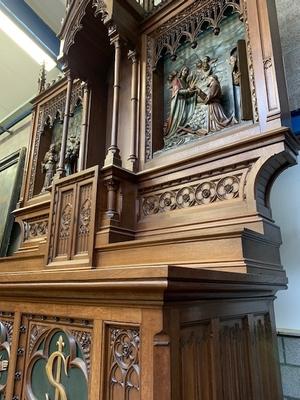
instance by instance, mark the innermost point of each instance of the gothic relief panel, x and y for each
(198, 74)
(122, 363)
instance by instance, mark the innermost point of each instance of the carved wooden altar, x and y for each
(149, 260)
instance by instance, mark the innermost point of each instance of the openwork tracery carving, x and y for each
(189, 24)
(124, 364)
(203, 193)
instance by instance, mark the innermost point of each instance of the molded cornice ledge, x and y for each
(142, 285)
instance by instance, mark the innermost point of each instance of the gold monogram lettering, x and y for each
(60, 359)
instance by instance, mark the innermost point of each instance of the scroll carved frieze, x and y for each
(35, 229)
(123, 375)
(202, 193)
(188, 24)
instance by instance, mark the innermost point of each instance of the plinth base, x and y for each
(147, 333)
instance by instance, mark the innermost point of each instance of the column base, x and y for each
(133, 163)
(113, 157)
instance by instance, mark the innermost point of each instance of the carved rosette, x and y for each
(204, 193)
(124, 365)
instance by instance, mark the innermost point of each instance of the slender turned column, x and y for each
(112, 186)
(84, 124)
(61, 165)
(113, 154)
(132, 55)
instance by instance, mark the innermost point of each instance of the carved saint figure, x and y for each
(49, 166)
(183, 102)
(72, 155)
(236, 82)
(216, 118)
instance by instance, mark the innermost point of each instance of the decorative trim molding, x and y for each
(203, 193)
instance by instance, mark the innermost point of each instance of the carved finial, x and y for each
(42, 78)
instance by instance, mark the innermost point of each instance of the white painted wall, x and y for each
(285, 203)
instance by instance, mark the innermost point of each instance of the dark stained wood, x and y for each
(173, 258)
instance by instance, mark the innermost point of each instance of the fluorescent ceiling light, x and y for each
(25, 42)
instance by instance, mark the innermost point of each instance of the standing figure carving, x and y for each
(49, 167)
(72, 155)
(183, 102)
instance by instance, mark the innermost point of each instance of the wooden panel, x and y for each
(72, 218)
(122, 373)
(196, 363)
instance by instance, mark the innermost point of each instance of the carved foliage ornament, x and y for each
(35, 229)
(206, 192)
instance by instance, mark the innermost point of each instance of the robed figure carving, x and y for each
(49, 166)
(216, 118)
(183, 102)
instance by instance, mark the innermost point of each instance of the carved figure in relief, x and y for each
(216, 118)
(236, 82)
(183, 102)
(72, 155)
(49, 166)
(205, 67)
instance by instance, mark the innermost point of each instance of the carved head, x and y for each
(184, 72)
(206, 63)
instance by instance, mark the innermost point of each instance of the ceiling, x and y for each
(18, 71)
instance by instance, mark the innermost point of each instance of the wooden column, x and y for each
(132, 55)
(61, 165)
(84, 125)
(113, 154)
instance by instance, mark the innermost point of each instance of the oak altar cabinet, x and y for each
(149, 260)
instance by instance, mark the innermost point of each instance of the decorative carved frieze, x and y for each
(203, 193)
(35, 229)
(123, 375)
